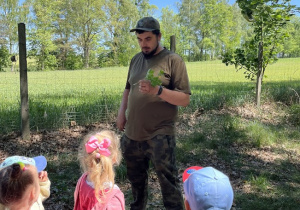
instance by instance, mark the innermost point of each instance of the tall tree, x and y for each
(268, 19)
(208, 26)
(120, 17)
(291, 47)
(11, 13)
(170, 26)
(62, 24)
(144, 8)
(188, 13)
(87, 23)
(42, 33)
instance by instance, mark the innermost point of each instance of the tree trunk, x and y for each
(259, 76)
(172, 43)
(201, 54)
(189, 51)
(86, 57)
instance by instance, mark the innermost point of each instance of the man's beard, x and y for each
(150, 54)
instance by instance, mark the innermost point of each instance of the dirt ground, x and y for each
(67, 141)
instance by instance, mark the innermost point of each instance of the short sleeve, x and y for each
(179, 76)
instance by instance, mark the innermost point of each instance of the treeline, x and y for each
(76, 34)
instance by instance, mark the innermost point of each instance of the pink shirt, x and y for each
(84, 197)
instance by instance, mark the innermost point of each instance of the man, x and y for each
(148, 116)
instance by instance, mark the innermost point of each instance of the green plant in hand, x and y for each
(154, 80)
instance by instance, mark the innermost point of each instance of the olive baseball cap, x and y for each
(146, 24)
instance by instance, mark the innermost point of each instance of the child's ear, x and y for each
(114, 159)
(187, 205)
(33, 195)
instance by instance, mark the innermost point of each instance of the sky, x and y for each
(172, 4)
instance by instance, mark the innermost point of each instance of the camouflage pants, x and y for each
(160, 150)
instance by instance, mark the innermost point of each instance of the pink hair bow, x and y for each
(102, 147)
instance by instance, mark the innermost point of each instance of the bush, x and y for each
(50, 62)
(294, 114)
(4, 56)
(73, 61)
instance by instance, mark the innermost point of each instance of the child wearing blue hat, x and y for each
(23, 183)
(206, 188)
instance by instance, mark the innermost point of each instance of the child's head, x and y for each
(206, 188)
(99, 152)
(19, 180)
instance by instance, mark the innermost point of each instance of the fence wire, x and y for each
(59, 99)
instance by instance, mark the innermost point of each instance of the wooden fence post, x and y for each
(172, 43)
(23, 82)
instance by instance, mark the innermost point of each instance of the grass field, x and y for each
(259, 149)
(87, 96)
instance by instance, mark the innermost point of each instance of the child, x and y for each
(23, 183)
(206, 188)
(96, 188)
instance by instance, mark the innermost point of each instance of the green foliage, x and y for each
(206, 33)
(105, 59)
(154, 79)
(259, 135)
(121, 172)
(4, 56)
(260, 183)
(294, 114)
(50, 62)
(203, 29)
(73, 61)
(268, 19)
(291, 47)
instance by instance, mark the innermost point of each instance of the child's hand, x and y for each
(43, 176)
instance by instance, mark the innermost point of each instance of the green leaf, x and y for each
(154, 80)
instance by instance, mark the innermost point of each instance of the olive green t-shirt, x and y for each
(149, 115)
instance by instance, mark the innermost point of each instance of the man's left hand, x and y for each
(146, 87)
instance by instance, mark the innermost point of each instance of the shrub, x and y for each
(294, 114)
(73, 61)
(50, 62)
(4, 55)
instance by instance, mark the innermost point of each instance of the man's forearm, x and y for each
(175, 97)
(124, 102)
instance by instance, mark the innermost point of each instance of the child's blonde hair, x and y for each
(100, 168)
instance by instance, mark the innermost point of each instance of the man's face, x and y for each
(148, 42)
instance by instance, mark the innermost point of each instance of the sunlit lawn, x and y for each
(56, 97)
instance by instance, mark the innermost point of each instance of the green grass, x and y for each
(58, 97)
(87, 96)
(261, 156)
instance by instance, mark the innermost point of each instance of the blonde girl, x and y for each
(96, 188)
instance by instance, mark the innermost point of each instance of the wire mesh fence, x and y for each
(59, 99)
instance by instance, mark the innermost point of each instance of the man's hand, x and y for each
(121, 121)
(121, 118)
(146, 87)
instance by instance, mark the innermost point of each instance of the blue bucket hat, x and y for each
(208, 188)
(39, 162)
